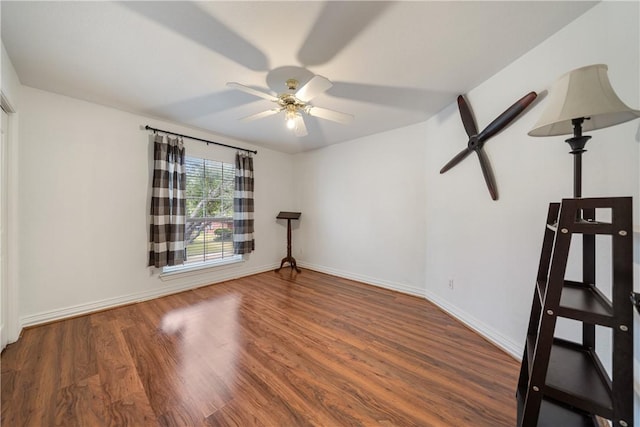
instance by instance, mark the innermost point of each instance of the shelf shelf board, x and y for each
(585, 303)
(553, 414)
(585, 226)
(573, 378)
(581, 302)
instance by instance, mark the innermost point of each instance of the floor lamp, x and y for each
(581, 100)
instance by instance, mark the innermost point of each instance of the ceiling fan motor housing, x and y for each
(292, 84)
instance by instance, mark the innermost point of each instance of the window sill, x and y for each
(192, 270)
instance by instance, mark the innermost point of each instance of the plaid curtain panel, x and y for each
(168, 205)
(243, 242)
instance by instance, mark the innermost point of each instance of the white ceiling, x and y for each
(392, 64)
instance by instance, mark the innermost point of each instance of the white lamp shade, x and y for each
(582, 93)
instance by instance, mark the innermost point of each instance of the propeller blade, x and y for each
(332, 115)
(467, 118)
(300, 129)
(252, 91)
(505, 118)
(313, 88)
(457, 159)
(261, 115)
(487, 173)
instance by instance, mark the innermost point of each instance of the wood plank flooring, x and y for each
(273, 349)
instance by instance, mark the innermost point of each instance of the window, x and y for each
(209, 216)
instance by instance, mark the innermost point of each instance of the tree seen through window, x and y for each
(209, 216)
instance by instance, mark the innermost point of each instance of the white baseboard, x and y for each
(3, 338)
(9, 334)
(80, 309)
(394, 286)
(505, 343)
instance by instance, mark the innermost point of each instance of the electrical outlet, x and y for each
(451, 284)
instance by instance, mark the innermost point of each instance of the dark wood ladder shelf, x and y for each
(563, 383)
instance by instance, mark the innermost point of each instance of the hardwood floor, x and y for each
(273, 349)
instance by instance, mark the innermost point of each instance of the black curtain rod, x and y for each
(147, 127)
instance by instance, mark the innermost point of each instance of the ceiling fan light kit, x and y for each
(294, 102)
(290, 117)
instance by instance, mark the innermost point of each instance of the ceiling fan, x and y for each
(295, 101)
(477, 140)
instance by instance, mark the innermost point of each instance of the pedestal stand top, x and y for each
(289, 215)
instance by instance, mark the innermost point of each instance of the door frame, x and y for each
(9, 237)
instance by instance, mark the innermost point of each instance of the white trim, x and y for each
(12, 328)
(80, 309)
(177, 272)
(5, 104)
(4, 212)
(394, 286)
(496, 337)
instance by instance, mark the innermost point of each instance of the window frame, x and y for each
(223, 167)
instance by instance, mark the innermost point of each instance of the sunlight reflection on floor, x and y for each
(209, 346)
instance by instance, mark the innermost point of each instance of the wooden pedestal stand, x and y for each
(291, 260)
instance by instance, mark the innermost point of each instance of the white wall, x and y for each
(363, 209)
(83, 202)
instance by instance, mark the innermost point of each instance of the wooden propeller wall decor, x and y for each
(477, 140)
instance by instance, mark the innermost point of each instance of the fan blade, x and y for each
(332, 115)
(467, 118)
(261, 115)
(488, 175)
(300, 128)
(337, 25)
(313, 88)
(457, 159)
(505, 118)
(252, 91)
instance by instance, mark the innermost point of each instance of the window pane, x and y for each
(209, 227)
(194, 171)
